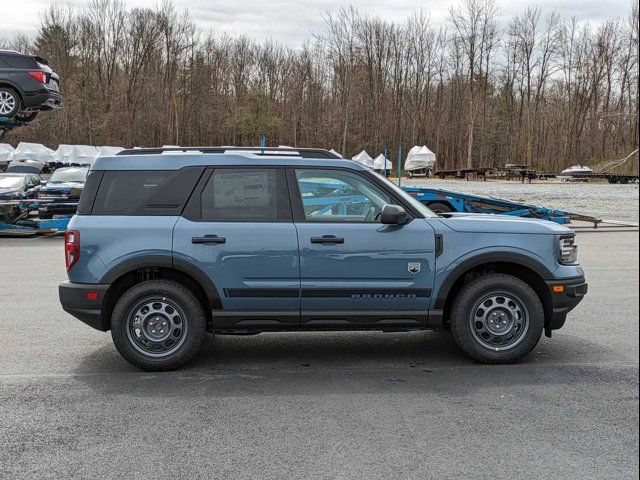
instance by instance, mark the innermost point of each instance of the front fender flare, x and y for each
(483, 258)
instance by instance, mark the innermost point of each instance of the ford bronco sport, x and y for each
(169, 244)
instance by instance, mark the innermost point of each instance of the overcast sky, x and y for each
(291, 21)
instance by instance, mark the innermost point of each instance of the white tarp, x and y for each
(364, 158)
(420, 158)
(31, 151)
(80, 154)
(5, 152)
(379, 163)
(68, 154)
(62, 153)
(336, 153)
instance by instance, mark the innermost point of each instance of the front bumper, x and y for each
(74, 300)
(572, 292)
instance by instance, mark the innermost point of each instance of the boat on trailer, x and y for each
(573, 174)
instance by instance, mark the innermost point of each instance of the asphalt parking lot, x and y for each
(330, 405)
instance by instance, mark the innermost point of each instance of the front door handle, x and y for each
(327, 239)
(208, 239)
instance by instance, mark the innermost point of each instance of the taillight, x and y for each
(41, 77)
(71, 248)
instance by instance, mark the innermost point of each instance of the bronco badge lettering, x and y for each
(382, 296)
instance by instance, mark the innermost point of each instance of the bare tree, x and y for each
(545, 91)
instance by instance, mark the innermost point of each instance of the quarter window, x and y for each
(122, 192)
(21, 61)
(339, 196)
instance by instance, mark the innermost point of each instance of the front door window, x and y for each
(340, 197)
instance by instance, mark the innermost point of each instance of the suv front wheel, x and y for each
(497, 318)
(158, 325)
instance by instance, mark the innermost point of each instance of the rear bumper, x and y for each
(73, 297)
(43, 99)
(573, 291)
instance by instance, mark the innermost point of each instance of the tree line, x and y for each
(540, 90)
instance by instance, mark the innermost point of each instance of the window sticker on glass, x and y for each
(246, 189)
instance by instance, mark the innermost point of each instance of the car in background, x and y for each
(27, 86)
(64, 189)
(27, 166)
(16, 186)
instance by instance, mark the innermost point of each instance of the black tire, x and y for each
(183, 303)
(469, 303)
(9, 98)
(27, 116)
(437, 207)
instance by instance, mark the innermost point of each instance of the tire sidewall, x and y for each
(178, 295)
(18, 106)
(475, 290)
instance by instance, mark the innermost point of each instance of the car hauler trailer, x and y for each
(447, 201)
(16, 220)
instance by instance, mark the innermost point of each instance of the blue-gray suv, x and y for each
(170, 244)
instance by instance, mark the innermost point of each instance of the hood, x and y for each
(62, 185)
(486, 223)
(11, 192)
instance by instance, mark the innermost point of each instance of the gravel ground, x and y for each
(602, 200)
(363, 405)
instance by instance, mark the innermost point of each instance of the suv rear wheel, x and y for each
(9, 102)
(497, 318)
(158, 325)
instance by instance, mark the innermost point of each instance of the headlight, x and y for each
(568, 250)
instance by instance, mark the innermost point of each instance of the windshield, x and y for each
(408, 198)
(69, 175)
(10, 181)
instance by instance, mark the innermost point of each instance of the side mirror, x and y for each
(393, 215)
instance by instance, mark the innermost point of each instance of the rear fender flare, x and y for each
(14, 86)
(164, 261)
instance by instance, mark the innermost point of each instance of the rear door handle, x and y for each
(327, 239)
(208, 239)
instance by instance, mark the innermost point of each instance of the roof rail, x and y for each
(259, 151)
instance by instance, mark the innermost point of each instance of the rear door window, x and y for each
(242, 194)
